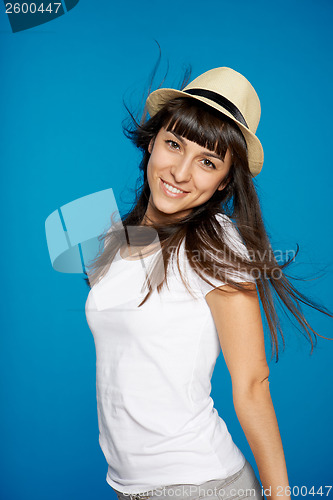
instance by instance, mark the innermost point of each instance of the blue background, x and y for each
(62, 87)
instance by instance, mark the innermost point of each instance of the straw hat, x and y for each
(230, 93)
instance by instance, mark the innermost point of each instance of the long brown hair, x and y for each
(206, 246)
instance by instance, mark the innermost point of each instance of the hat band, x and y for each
(221, 100)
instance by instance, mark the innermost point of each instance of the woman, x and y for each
(184, 283)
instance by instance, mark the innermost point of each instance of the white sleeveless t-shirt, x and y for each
(154, 363)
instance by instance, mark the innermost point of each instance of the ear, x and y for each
(222, 185)
(151, 145)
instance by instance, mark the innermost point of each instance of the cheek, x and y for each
(149, 171)
(152, 173)
(207, 185)
(158, 162)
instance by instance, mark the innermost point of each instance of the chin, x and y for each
(163, 209)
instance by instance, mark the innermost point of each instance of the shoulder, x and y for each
(231, 234)
(228, 235)
(225, 222)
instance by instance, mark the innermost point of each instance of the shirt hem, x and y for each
(131, 490)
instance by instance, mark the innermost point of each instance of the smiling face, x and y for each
(181, 175)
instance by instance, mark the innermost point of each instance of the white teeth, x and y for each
(172, 189)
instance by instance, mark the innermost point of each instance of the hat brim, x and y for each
(157, 99)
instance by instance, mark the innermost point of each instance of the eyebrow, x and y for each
(206, 153)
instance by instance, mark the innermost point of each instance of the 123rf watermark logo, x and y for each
(26, 15)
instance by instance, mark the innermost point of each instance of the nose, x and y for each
(181, 170)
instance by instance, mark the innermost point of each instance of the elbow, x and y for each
(251, 389)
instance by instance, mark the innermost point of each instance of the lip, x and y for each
(168, 193)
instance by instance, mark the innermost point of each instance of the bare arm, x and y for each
(238, 321)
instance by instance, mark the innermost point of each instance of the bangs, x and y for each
(197, 123)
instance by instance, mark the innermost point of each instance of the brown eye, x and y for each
(209, 164)
(172, 144)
